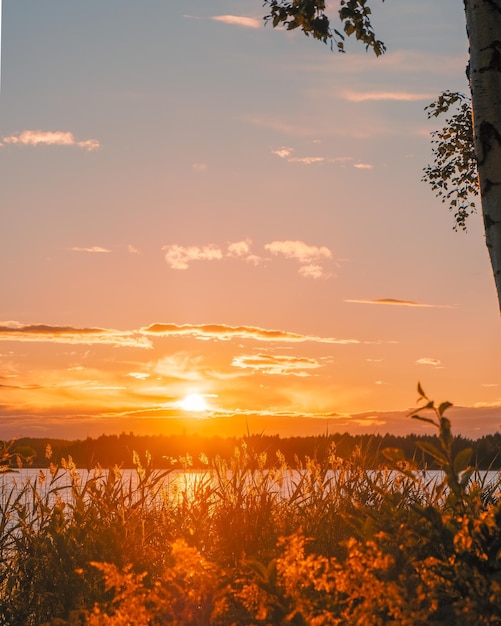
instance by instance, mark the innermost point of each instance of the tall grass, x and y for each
(239, 544)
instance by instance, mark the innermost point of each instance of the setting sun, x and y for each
(194, 402)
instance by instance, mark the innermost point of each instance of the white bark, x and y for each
(483, 23)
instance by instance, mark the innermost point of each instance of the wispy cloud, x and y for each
(14, 331)
(486, 405)
(429, 361)
(285, 153)
(307, 160)
(395, 302)
(224, 332)
(50, 138)
(398, 96)
(238, 20)
(91, 249)
(276, 365)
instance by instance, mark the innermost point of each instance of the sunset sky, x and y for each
(194, 203)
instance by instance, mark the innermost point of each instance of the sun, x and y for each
(194, 402)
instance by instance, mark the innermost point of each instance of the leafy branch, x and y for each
(310, 17)
(456, 468)
(453, 174)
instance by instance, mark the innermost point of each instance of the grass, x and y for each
(241, 544)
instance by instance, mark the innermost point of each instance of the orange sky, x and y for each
(194, 203)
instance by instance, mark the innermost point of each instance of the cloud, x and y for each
(50, 138)
(224, 332)
(132, 249)
(394, 302)
(276, 365)
(298, 250)
(311, 270)
(90, 249)
(239, 248)
(307, 160)
(179, 257)
(496, 404)
(237, 20)
(308, 256)
(363, 166)
(283, 152)
(138, 375)
(14, 331)
(429, 361)
(399, 96)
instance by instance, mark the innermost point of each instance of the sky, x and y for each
(196, 205)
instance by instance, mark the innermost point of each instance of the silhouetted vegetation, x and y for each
(165, 450)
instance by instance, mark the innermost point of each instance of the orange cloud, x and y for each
(50, 138)
(394, 302)
(429, 361)
(226, 333)
(281, 365)
(13, 331)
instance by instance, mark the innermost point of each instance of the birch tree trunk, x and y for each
(483, 24)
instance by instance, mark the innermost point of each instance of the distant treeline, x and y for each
(184, 451)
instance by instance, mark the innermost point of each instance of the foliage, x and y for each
(453, 175)
(168, 451)
(251, 542)
(310, 17)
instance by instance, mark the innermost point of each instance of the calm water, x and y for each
(177, 483)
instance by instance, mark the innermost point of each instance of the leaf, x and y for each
(462, 460)
(423, 419)
(420, 391)
(433, 451)
(443, 407)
